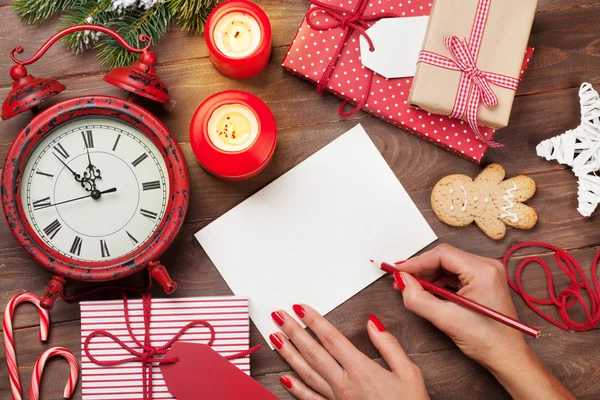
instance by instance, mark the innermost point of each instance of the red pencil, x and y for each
(460, 300)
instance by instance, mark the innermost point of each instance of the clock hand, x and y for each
(95, 195)
(75, 174)
(89, 159)
(92, 172)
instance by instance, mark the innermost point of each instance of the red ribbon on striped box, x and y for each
(221, 322)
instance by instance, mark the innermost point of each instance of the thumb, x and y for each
(424, 304)
(388, 346)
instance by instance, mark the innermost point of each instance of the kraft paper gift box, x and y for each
(504, 37)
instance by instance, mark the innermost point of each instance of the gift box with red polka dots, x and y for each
(312, 52)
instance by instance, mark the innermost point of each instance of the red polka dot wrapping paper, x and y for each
(312, 50)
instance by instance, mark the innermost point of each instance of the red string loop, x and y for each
(148, 353)
(567, 298)
(349, 21)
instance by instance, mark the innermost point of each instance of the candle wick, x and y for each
(233, 131)
(237, 34)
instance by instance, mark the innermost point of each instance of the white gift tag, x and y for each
(397, 43)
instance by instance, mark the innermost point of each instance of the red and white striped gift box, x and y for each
(228, 315)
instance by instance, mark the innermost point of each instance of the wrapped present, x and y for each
(123, 341)
(326, 51)
(474, 79)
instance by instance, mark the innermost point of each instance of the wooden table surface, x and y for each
(567, 41)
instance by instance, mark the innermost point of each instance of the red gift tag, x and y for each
(202, 370)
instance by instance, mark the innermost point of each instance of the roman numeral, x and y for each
(149, 214)
(44, 174)
(151, 185)
(116, 142)
(138, 160)
(43, 203)
(134, 240)
(61, 150)
(76, 246)
(88, 139)
(52, 229)
(104, 249)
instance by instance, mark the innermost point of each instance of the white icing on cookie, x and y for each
(451, 190)
(451, 208)
(486, 200)
(475, 198)
(509, 199)
(464, 207)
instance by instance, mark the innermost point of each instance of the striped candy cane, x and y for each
(9, 343)
(34, 392)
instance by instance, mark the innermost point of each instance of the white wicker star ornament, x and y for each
(580, 149)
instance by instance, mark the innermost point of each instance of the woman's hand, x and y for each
(335, 369)
(500, 349)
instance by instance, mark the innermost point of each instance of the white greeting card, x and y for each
(397, 43)
(308, 236)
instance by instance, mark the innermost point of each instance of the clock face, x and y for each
(95, 189)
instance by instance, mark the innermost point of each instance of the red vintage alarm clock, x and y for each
(95, 188)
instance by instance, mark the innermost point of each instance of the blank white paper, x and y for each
(308, 236)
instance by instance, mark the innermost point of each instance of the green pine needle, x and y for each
(36, 11)
(154, 22)
(98, 12)
(191, 15)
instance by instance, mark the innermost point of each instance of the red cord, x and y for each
(148, 354)
(567, 298)
(349, 22)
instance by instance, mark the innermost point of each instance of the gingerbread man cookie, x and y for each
(489, 201)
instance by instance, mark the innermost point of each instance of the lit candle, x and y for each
(233, 134)
(232, 127)
(238, 36)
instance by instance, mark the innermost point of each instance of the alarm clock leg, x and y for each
(53, 290)
(159, 272)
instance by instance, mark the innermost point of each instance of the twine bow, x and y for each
(148, 353)
(349, 21)
(474, 86)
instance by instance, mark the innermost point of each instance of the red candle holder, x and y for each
(244, 65)
(224, 144)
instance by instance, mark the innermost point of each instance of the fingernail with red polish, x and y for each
(299, 310)
(399, 280)
(277, 317)
(400, 262)
(276, 341)
(377, 323)
(285, 382)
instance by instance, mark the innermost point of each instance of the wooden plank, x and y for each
(448, 374)
(189, 265)
(285, 16)
(565, 40)
(534, 117)
(559, 221)
(567, 49)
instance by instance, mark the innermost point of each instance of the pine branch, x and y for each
(191, 15)
(98, 12)
(36, 11)
(154, 22)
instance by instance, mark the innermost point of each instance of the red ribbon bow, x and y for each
(474, 86)
(148, 353)
(349, 21)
